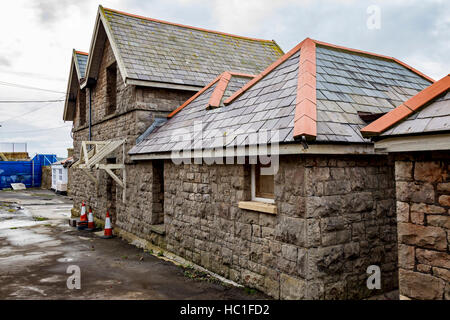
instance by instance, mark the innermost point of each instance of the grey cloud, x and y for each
(50, 11)
(5, 62)
(409, 29)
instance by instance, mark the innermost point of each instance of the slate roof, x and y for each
(336, 83)
(81, 60)
(348, 83)
(426, 112)
(435, 117)
(186, 116)
(76, 76)
(160, 51)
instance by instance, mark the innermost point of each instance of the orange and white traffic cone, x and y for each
(91, 223)
(108, 230)
(83, 218)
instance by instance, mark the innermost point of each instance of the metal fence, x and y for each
(13, 147)
(26, 172)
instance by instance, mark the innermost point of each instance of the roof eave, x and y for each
(156, 84)
(66, 115)
(284, 149)
(92, 55)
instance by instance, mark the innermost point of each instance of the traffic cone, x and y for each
(108, 230)
(82, 224)
(91, 223)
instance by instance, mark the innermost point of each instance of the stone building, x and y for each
(416, 135)
(248, 162)
(138, 70)
(310, 224)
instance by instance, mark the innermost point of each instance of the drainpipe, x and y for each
(90, 113)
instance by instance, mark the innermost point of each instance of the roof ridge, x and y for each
(188, 101)
(266, 71)
(186, 26)
(81, 52)
(219, 90)
(375, 55)
(407, 108)
(226, 76)
(306, 100)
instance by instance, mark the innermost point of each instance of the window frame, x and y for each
(253, 188)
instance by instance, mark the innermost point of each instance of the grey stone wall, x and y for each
(423, 213)
(335, 214)
(135, 111)
(335, 217)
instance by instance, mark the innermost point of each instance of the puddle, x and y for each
(23, 237)
(52, 279)
(24, 291)
(53, 243)
(6, 250)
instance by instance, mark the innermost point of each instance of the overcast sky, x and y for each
(38, 36)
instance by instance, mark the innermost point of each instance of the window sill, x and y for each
(158, 228)
(258, 206)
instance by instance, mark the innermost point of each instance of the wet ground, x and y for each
(37, 246)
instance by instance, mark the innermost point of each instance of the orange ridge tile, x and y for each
(216, 96)
(186, 26)
(307, 92)
(238, 74)
(306, 99)
(222, 77)
(305, 108)
(407, 108)
(387, 120)
(81, 52)
(251, 83)
(187, 102)
(305, 126)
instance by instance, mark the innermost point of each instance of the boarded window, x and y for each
(111, 88)
(82, 106)
(263, 183)
(158, 192)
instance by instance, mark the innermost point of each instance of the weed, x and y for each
(197, 275)
(39, 218)
(249, 291)
(160, 254)
(13, 228)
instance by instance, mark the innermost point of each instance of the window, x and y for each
(82, 106)
(111, 88)
(262, 183)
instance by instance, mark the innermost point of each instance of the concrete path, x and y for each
(37, 246)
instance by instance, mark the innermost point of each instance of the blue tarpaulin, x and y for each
(27, 172)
